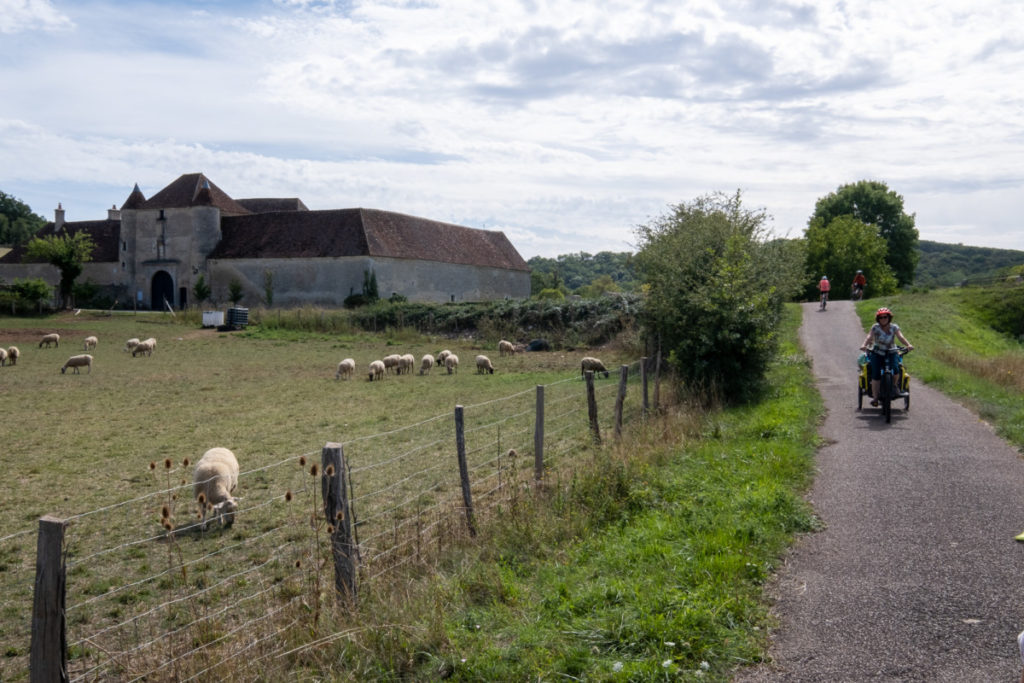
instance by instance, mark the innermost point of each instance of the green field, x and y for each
(107, 449)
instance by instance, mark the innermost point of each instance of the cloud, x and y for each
(17, 16)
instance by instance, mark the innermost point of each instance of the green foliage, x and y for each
(842, 248)
(370, 285)
(716, 291)
(235, 291)
(201, 290)
(948, 265)
(872, 202)
(17, 222)
(29, 293)
(88, 295)
(65, 251)
(268, 287)
(571, 272)
(603, 284)
(550, 295)
(1000, 306)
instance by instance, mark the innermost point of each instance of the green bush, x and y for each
(716, 289)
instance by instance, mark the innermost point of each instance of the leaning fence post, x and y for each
(48, 657)
(620, 399)
(592, 406)
(460, 447)
(538, 436)
(657, 379)
(336, 509)
(643, 383)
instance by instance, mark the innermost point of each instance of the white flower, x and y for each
(705, 666)
(617, 667)
(667, 663)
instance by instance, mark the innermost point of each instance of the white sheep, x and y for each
(506, 348)
(426, 363)
(451, 363)
(48, 339)
(441, 356)
(483, 365)
(215, 477)
(406, 363)
(12, 355)
(519, 348)
(82, 361)
(90, 343)
(151, 341)
(145, 347)
(131, 343)
(346, 369)
(391, 361)
(3, 358)
(592, 364)
(377, 370)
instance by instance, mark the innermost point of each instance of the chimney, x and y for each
(58, 218)
(113, 213)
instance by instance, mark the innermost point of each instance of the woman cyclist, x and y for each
(881, 337)
(824, 287)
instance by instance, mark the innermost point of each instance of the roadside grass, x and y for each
(651, 566)
(957, 353)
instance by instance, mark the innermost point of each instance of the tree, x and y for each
(65, 251)
(872, 202)
(370, 292)
(842, 248)
(235, 291)
(17, 222)
(201, 290)
(716, 288)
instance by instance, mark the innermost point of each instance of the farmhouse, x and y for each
(150, 252)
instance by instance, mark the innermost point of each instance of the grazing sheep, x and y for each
(215, 477)
(483, 365)
(131, 344)
(426, 363)
(441, 356)
(346, 369)
(377, 370)
(151, 341)
(48, 339)
(146, 346)
(538, 345)
(519, 348)
(451, 363)
(506, 348)
(406, 363)
(82, 361)
(391, 362)
(12, 355)
(91, 342)
(592, 364)
(3, 358)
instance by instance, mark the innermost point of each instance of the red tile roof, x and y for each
(104, 233)
(194, 189)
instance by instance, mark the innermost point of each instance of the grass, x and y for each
(110, 449)
(650, 566)
(957, 353)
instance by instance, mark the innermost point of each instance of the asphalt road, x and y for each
(916, 576)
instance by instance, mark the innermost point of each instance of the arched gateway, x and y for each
(161, 289)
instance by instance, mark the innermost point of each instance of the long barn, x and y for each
(150, 252)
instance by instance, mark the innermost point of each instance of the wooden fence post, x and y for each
(592, 406)
(657, 378)
(334, 488)
(620, 399)
(460, 447)
(48, 656)
(538, 437)
(643, 383)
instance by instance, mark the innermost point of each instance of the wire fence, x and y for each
(153, 594)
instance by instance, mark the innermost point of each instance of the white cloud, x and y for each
(17, 16)
(565, 123)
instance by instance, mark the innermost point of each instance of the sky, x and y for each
(563, 123)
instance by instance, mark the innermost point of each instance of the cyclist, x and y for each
(881, 337)
(824, 286)
(858, 285)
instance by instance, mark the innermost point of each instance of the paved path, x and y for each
(916, 576)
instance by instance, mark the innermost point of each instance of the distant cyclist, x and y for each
(881, 337)
(859, 281)
(824, 286)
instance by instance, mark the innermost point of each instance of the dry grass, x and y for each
(111, 451)
(1005, 369)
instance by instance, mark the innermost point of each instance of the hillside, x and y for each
(946, 265)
